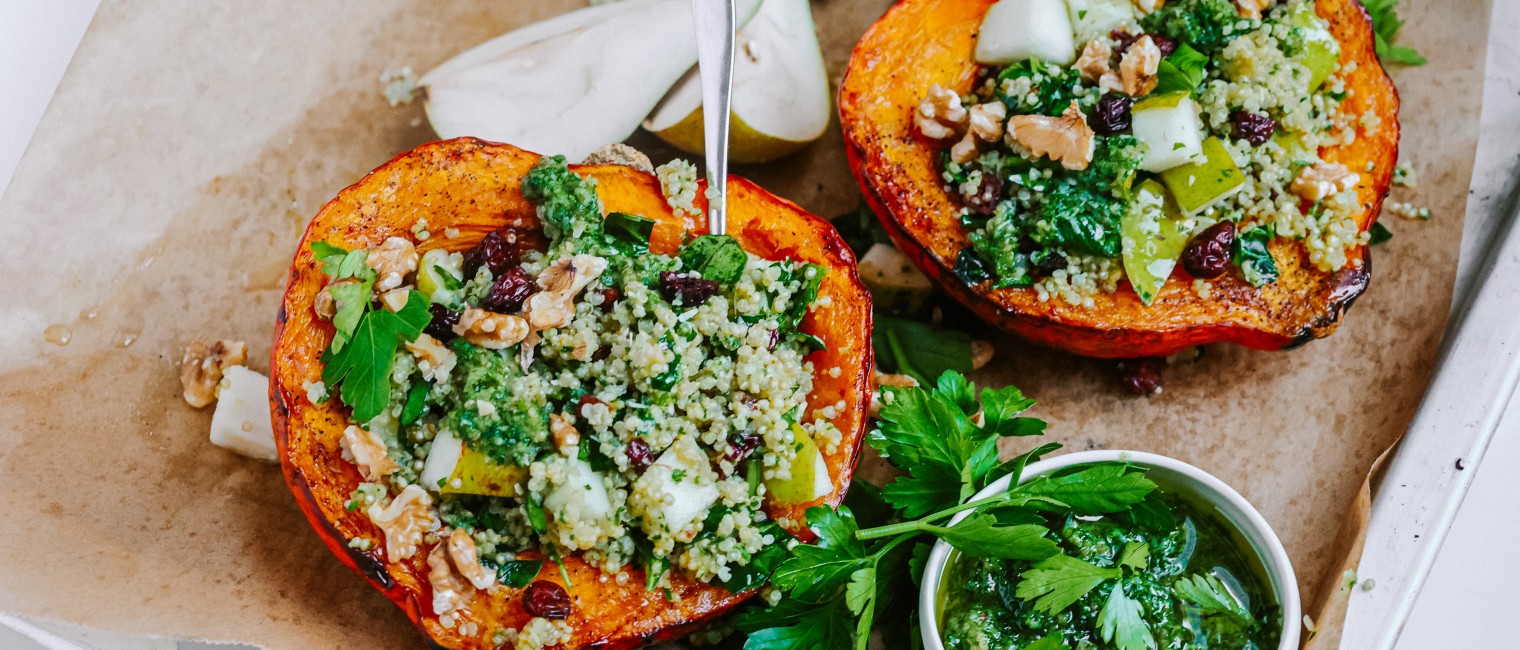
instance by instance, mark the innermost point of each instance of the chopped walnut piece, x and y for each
(565, 435)
(449, 592)
(555, 305)
(620, 154)
(467, 561)
(200, 371)
(1252, 8)
(491, 330)
(1323, 179)
(1137, 68)
(368, 452)
(985, 124)
(393, 260)
(940, 115)
(1147, 6)
(408, 517)
(1094, 62)
(434, 359)
(981, 354)
(1067, 139)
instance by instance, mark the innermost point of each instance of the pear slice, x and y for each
(780, 96)
(570, 84)
(1155, 232)
(810, 474)
(450, 460)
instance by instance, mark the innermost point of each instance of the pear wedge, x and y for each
(569, 84)
(780, 96)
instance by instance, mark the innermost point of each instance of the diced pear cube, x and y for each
(1169, 129)
(241, 421)
(1094, 19)
(1016, 30)
(582, 496)
(1199, 184)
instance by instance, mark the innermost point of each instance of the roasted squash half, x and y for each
(475, 187)
(920, 43)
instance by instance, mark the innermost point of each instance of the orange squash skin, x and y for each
(919, 43)
(474, 187)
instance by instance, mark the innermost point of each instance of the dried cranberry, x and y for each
(493, 252)
(508, 292)
(741, 445)
(1208, 255)
(1046, 263)
(775, 338)
(988, 191)
(546, 599)
(639, 455)
(1253, 128)
(610, 298)
(1112, 115)
(1166, 45)
(442, 325)
(1140, 376)
(601, 353)
(689, 291)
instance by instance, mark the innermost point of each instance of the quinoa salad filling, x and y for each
(1111, 141)
(572, 392)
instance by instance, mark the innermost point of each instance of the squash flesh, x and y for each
(919, 43)
(474, 187)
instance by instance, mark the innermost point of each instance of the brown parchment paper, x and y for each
(165, 189)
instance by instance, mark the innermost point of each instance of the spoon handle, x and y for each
(715, 25)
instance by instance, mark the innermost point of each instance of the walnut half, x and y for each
(202, 366)
(1066, 139)
(408, 517)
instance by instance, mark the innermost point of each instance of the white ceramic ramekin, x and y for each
(1178, 477)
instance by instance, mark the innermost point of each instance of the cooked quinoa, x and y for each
(583, 395)
(1042, 212)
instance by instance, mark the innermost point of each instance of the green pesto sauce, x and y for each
(980, 608)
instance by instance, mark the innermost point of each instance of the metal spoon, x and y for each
(715, 60)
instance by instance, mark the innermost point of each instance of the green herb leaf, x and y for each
(1000, 410)
(1379, 234)
(860, 590)
(1136, 555)
(1386, 24)
(1211, 597)
(537, 518)
(362, 369)
(717, 257)
(1056, 583)
(518, 573)
(628, 233)
(1052, 641)
(919, 350)
(1122, 622)
(1253, 258)
(1098, 489)
(812, 280)
(1181, 72)
(416, 400)
(813, 571)
(1152, 513)
(825, 626)
(980, 535)
(761, 565)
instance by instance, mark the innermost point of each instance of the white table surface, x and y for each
(1468, 602)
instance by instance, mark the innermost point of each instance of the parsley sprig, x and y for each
(1386, 24)
(359, 360)
(945, 438)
